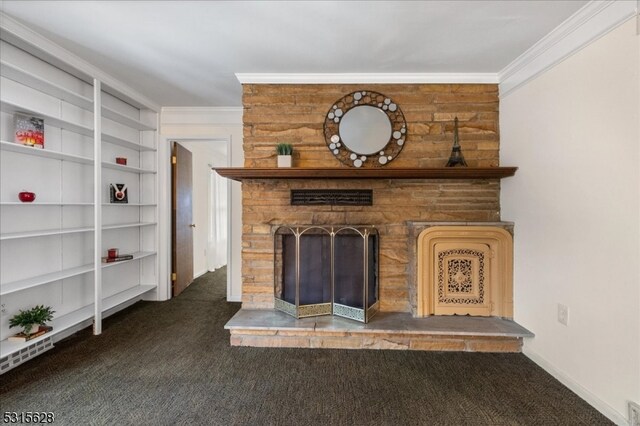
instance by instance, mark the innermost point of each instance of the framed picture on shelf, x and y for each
(29, 130)
(118, 193)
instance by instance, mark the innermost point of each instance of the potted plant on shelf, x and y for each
(31, 320)
(284, 151)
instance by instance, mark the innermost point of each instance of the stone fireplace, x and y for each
(294, 114)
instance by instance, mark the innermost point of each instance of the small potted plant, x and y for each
(31, 320)
(284, 151)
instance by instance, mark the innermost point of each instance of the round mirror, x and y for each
(365, 129)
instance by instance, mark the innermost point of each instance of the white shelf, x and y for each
(43, 203)
(59, 325)
(22, 76)
(47, 153)
(127, 225)
(67, 321)
(44, 233)
(26, 283)
(48, 119)
(136, 256)
(129, 169)
(15, 286)
(125, 296)
(130, 204)
(62, 231)
(125, 143)
(73, 127)
(123, 119)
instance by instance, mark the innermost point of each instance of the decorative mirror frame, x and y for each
(337, 111)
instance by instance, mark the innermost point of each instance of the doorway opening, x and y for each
(200, 212)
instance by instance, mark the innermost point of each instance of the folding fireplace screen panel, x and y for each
(324, 270)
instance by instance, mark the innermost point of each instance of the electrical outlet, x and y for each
(563, 314)
(634, 414)
(3, 309)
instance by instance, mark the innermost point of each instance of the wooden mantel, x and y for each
(242, 173)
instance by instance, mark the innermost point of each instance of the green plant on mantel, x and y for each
(284, 149)
(26, 319)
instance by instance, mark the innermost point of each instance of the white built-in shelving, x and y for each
(44, 233)
(72, 126)
(44, 204)
(51, 120)
(36, 82)
(129, 169)
(12, 287)
(56, 155)
(52, 248)
(60, 323)
(126, 143)
(64, 322)
(130, 205)
(46, 153)
(136, 256)
(123, 119)
(128, 225)
(29, 79)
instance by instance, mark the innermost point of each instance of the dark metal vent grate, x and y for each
(333, 197)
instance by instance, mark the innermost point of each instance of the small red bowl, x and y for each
(27, 197)
(121, 160)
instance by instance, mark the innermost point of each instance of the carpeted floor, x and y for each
(170, 363)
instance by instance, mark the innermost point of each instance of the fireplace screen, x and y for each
(323, 270)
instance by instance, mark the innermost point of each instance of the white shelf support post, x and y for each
(97, 205)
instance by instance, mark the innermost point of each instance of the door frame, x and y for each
(167, 203)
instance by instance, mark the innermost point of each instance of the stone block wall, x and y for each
(292, 113)
(296, 113)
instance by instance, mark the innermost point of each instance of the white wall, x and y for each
(574, 132)
(204, 153)
(207, 124)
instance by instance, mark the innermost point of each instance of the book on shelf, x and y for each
(117, 258)
(21, 337)
(29, 130)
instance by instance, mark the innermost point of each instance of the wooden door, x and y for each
(182, 232)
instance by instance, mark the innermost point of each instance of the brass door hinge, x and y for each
(174, 276)
(174, 159)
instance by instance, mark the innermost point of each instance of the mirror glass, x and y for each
(365, 129)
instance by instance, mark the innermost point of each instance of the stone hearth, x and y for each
(387, 330)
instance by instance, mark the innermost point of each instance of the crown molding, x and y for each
(366, 78)
(592, 21)
(27, 39)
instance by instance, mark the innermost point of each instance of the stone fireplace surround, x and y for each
(295, 114)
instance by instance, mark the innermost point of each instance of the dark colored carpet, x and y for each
(168, 363)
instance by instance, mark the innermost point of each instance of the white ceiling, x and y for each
(185, 53)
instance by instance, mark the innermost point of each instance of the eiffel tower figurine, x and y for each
(456, 158)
